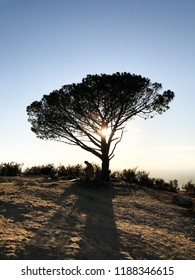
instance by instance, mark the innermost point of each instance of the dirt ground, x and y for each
(44, 219)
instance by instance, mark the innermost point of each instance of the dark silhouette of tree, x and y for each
(92, 114)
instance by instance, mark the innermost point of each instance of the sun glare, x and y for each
(106, 132)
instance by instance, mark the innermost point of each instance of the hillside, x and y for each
(44, 219)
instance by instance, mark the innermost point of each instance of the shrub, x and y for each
(11, 169)
(62, 171)
(144, 179)
(116, 175)
(173, 185)
(40, 170)
(3, 169)
(130, 175)
(47, 169)
(189, 187)
(34, 170)
(159, 183)
(97, 171)
(70, 170)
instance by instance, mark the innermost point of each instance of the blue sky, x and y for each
(45, 44)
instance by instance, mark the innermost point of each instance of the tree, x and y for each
(92, 114)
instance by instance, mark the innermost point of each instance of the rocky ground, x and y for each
(44, 219)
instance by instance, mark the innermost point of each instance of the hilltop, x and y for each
(45, 219)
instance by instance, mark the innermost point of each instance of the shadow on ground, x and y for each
(83, 227)
(44, 219)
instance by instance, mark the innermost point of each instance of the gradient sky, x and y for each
(45, 44)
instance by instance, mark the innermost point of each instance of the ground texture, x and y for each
(43, 219)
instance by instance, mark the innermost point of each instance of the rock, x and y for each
(182, 201)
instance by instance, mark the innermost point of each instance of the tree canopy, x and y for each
(92, 114)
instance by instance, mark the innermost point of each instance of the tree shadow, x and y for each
(83, 227)
(100, 239)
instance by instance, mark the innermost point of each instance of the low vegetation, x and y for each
(189, 187)
(11, 169)
(133, 175)
(137, 217)
(142, 178)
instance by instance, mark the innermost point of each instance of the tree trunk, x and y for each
(105, 175)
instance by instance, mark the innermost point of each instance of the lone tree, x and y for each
(92, 114)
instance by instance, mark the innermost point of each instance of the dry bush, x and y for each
(11, 169)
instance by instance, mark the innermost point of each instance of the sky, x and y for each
(45, 44)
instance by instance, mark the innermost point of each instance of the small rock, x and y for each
(182, 201)
(2, 193)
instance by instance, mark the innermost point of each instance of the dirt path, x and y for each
(42, 219)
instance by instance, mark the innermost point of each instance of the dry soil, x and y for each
(45, 219)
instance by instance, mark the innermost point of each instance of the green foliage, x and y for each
(189, 187)
(11, 169)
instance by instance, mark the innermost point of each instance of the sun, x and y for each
(106, 132)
